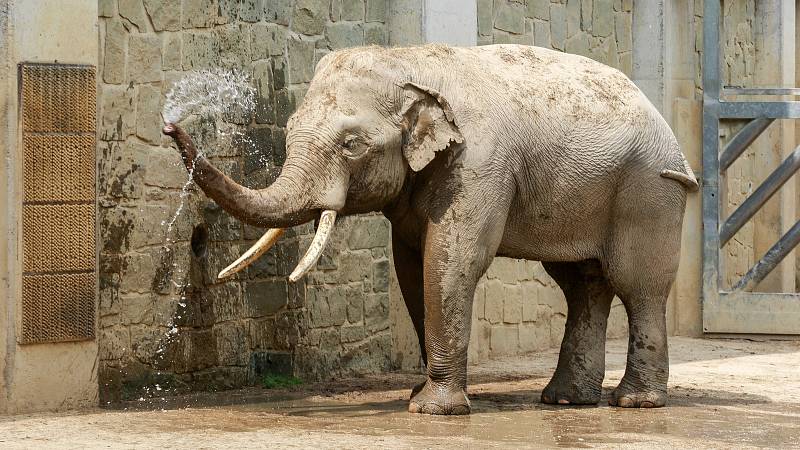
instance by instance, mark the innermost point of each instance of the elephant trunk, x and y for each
(282, 204)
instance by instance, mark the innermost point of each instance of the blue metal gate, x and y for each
(739, 310)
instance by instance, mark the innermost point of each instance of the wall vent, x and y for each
(58, 114)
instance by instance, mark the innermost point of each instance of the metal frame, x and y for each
(741, 311)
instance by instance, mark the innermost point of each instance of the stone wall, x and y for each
(166, 323)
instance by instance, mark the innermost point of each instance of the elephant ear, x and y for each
(430, 124)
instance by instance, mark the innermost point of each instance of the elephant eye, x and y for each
(352, 147)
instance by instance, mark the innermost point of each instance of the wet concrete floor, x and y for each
(723, 394)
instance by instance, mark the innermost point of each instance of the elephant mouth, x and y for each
(326, 224)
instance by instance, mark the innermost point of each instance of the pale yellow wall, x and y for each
(46, 376)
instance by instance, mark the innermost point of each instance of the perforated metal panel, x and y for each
(58, 212)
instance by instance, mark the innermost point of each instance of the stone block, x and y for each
(251, 10)
(493, 309)
(586, 15)
(479, 301)
(623, 31)
(107, 8)
(199, 13)
(264, 298)
(118, 113)
(534, 337)
(116, 44)
(504, 340)
(573, 17)
(370, 233)
(376, 11)
(301, 60)
(509, 16)
(125, 171)
(557, 322)
(352, 10)
(200, 51)
(374, 34)
(231, 338)
(261, 333)
(234, 48)
(136, 309)
(485, 18)
(309, 16)
(344, 35)
(267, 39)
(381, 274)
(512, 304)
(171, 58)
(256, 149)
(278, 11)
(165, 169)
(480, 342)
(578, 45)
(530, 302)
(144, 58)
(279, 72)
(133, 10)
(148, 114)
(163, 14)
(137, 273)
(541, 34)
(350, 334)
(558, 26)
(355, 305)
(113, 343)
(539, 9)
(226, 301)
(602, 18)
(376, 311)
(264, 111)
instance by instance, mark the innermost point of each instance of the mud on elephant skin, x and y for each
(473, 153)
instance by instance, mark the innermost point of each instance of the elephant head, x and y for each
(367, 122)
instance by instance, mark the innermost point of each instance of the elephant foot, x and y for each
(417, 388)
(625, 396)
(558, 392)
(439, 400)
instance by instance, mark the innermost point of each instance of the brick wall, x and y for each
(164, 318)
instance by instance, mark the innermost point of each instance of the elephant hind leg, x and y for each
(579, 375)
(641, 264)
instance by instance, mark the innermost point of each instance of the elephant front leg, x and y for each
(453, 262)
(408, 267)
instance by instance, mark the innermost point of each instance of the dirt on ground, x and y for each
(723, 394)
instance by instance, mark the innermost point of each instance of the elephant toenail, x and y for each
(563, 401)
(625, 402)
(646, 404)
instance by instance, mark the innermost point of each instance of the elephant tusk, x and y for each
(253, 253)
(326, 221)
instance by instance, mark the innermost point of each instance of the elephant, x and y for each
(476, 152)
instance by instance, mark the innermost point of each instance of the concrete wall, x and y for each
(42, 376)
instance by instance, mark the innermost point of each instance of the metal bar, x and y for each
(764, 192)
(752, 312)
(760, 91)
(771, 259)
(751, 110)
(741, 141)
(711, 90)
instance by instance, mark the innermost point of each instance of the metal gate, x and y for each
(740, 310)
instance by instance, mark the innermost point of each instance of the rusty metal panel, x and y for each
(59, 202)
(57, 307)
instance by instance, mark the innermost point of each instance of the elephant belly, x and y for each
(556, 232)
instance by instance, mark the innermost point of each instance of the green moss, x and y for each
(277, 381)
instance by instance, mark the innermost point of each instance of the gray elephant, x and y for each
(473, 153)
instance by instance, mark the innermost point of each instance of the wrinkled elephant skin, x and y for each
(500, 150)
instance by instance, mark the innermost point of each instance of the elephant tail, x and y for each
(685, 176)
